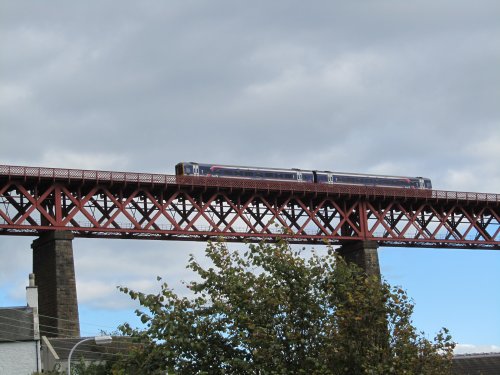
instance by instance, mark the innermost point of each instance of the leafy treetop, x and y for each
(272, 310)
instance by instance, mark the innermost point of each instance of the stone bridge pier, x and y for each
(364, 254)
(54, 270)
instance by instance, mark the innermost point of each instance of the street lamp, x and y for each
(99, 340)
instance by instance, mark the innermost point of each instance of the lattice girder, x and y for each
(199, 209)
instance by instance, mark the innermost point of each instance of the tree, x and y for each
(271, 310)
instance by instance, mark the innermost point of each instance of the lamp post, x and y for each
(99, 340)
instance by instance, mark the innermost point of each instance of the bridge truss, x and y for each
(153, 206)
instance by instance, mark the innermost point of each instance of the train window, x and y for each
(322, 178)
(387, 182)
(381, 181)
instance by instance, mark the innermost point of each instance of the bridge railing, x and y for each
(82, 174)
(25, 172)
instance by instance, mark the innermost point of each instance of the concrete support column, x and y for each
(54, 270)
(362, 253)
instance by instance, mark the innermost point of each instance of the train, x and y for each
(300, 175)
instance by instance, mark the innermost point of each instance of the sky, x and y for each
(381, 86)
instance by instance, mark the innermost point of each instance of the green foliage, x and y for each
(54, 371)
(273, 311)
(82, 368)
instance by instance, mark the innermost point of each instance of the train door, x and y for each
(299, 176)
(330, 178)
(196, 170)
(421, 183)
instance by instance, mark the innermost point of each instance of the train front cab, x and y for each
(179, 169)
(187, 169)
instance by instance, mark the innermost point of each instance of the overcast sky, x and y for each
(381, 86)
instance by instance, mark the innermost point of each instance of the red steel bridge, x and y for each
(107, 204)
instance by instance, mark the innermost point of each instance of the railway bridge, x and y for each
(56, 205)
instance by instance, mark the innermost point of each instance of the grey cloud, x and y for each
(252, 83)
(102, 265)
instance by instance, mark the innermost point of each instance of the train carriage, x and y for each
(327, 177)
(232, 171)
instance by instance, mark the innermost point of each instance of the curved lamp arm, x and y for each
(99, 340)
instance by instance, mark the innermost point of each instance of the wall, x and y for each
(18, 358)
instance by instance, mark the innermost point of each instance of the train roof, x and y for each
(246, 167)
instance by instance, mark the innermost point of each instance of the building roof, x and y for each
(476, 364)
(16, 324)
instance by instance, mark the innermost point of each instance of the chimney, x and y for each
(32, 292)
(32, 300)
